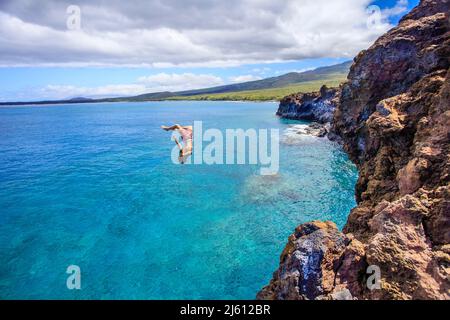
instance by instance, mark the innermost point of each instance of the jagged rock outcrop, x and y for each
(316, 106)
(393, 116)
(307, 263)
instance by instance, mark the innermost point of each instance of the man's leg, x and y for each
(171, 128)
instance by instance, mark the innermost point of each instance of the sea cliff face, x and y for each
(315, 106)
(393, 119)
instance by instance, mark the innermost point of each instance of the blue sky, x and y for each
(56, 70)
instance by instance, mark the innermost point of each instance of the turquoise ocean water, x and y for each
(93, 185)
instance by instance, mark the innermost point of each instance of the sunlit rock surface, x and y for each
(393, 116)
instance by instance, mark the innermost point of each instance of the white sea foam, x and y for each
(297, 134)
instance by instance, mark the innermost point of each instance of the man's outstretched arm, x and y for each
(178, 144)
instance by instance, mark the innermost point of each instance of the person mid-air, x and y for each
(186, 137)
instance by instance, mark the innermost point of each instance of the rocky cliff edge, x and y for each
(393, 118)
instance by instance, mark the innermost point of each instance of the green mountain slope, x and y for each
(332, 73)
(272, 94)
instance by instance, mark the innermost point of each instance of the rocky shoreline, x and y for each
(392, 117)
(316, 106)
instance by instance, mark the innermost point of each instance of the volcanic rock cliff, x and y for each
(315, 106)
(393, 118)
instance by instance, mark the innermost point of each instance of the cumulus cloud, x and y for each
(68, 91)
(244, 78)
(184, 33)
(178, 82)
(400, 8)
(153, 83)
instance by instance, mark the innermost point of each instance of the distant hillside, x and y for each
(338, 71)
(272, 94)
(266, 89)
(81, 99)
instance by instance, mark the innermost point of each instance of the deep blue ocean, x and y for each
(93, 185)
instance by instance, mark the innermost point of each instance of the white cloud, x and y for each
(244, 78)
(179, 82)
(69, 91)
(184, 33)
(400, 8)
(147, 84)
